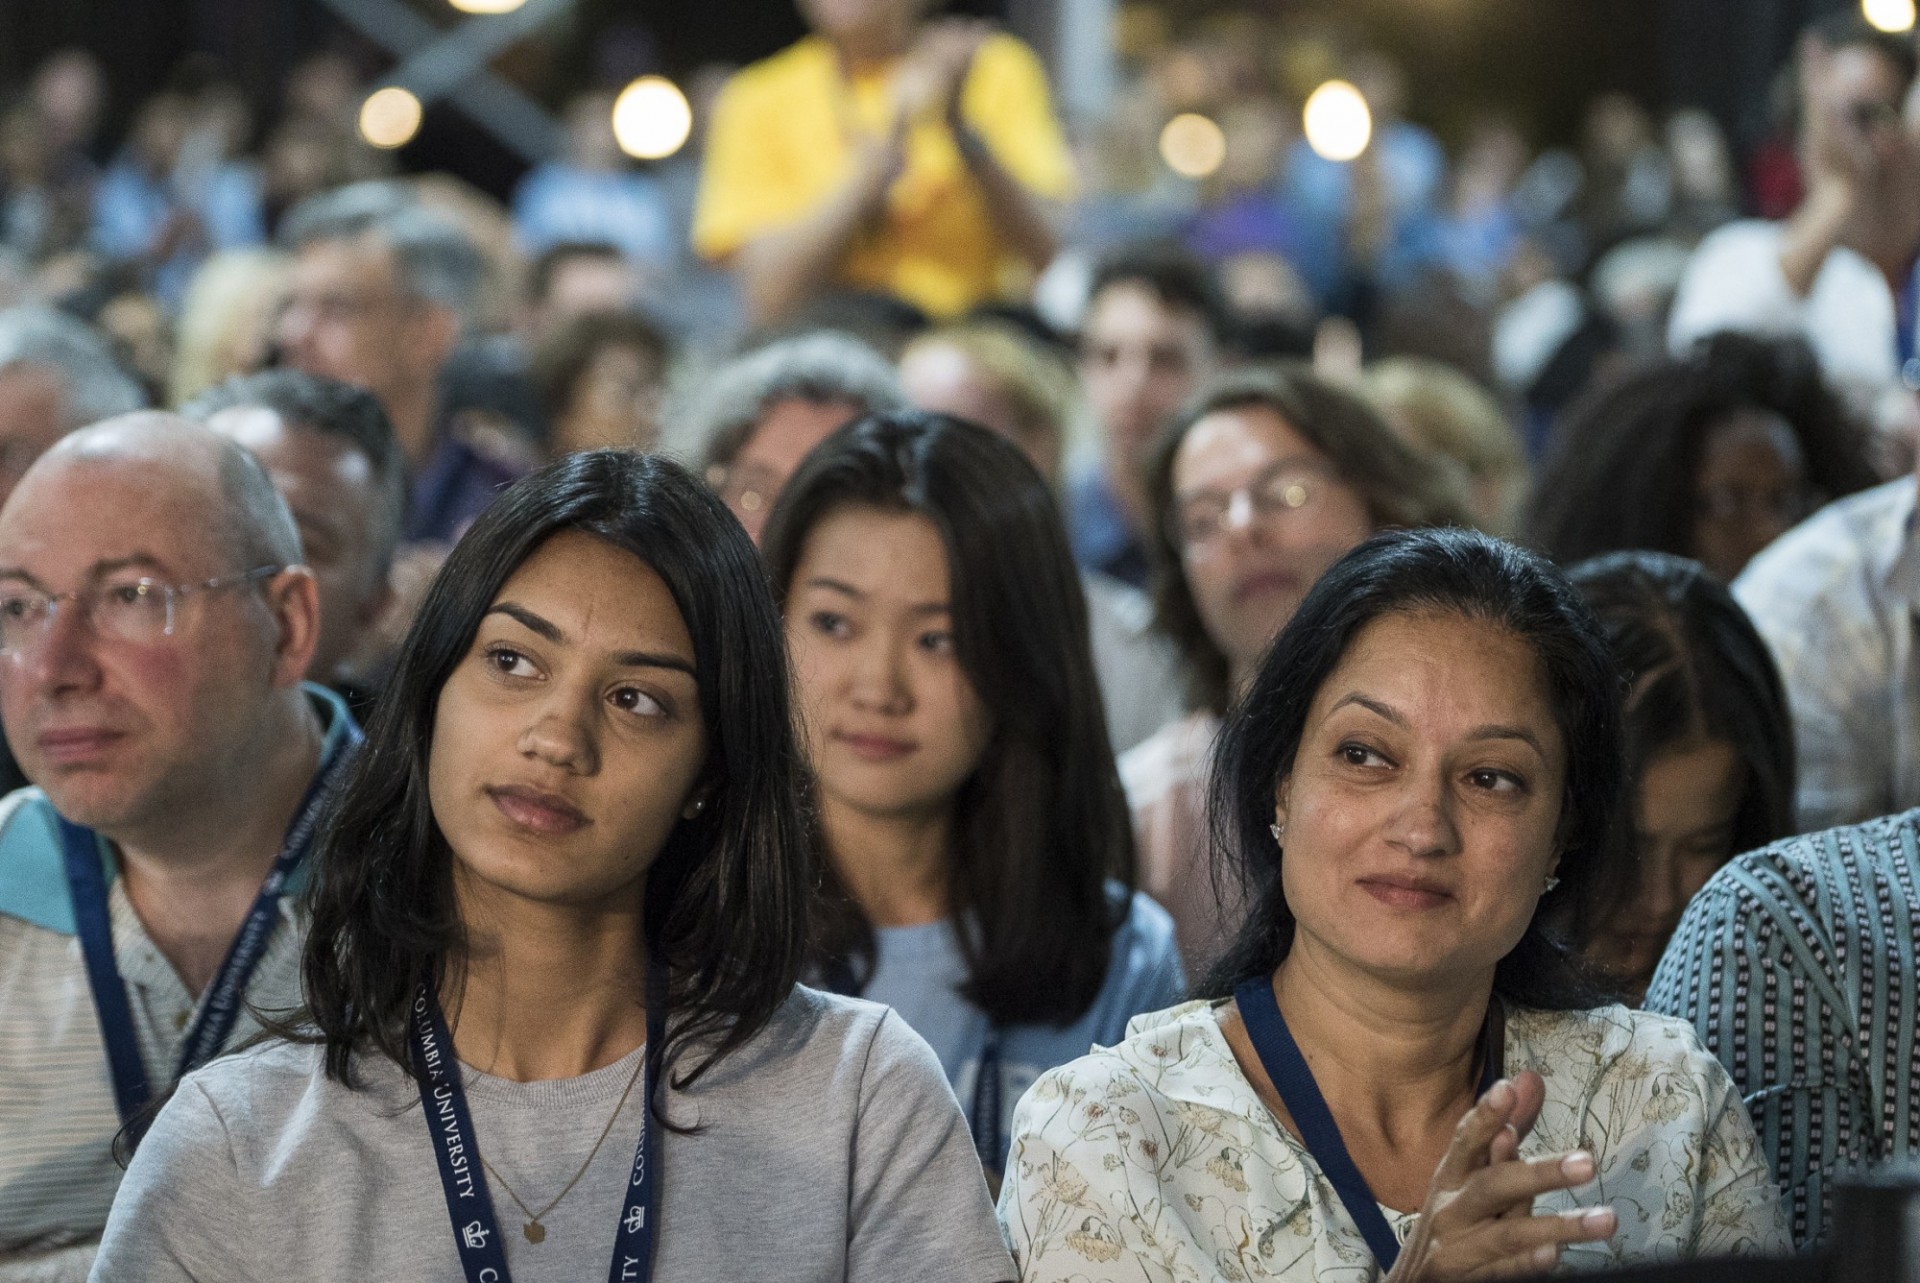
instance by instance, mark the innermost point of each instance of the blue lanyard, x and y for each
(476, 1230)
(220, 1007)
(1281, 1058)
(983, 1119)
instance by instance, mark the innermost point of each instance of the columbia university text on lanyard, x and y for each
(1293, 1080)
(476, 1230)
(220, 1006)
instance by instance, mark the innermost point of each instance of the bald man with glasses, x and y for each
(155, 625)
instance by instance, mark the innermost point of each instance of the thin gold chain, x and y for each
(535, 1217)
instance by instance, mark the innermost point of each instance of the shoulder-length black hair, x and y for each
(727, 896)
(1401, 487)
(1624, 462)
(1460, 572)
(1696, 668)
(1041, 825)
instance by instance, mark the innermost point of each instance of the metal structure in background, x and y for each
(436, 63)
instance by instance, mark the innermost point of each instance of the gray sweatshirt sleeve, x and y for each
(179, 1216)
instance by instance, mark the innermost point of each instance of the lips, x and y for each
(875, 748)
(76, 746)
(1399, 891)
(540, 812)
(1265, 584)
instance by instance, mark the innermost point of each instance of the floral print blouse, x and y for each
(1154, 1160)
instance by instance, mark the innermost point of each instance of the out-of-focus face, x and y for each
(787, 431)
(587, 283)
(893, 725)
(348, 318)
(615, 403)
(857, 21)
(1687, 800)
(1419, 818)
(1865, 91)
(337, 504)
(1258, 515)
(122, 734)
(32, 418)
(569, 741)
(941, 377)
(1751, 487)
(1139, 362)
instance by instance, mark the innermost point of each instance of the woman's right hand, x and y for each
(1478, 1221)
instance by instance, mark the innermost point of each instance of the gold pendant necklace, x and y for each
(534, 1231)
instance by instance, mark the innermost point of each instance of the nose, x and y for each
(877, 676)
(1422, 824)
(61, 659)
(562, 735)
(294, 331)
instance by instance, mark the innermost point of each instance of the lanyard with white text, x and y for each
(220, 1007)
(1293, 1080)
(476, 1230)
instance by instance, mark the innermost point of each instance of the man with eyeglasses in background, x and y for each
(155, 627)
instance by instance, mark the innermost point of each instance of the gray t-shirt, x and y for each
(831, 1148)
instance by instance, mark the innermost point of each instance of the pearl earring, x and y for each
(1552, 882)
(1279, 832)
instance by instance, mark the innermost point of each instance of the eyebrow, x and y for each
(546, 628)
(847, 589)
(1491, 731)
(99, 569)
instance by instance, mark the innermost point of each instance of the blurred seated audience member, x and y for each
(173, 196)
(755, 418)
(1706, 192)
(1711, 456)
(881, 321)
(180, 761)
(332, 456)
(379, 297)
(593, 193)
(302, 157)
(601, 376)
(574, 278)
(1399, 1069)
(1838, 600)
(140, 333)
(227, 320)
(1709, 747)
(1831, 272)
(556, 950)
(888, 151)
(56, 374)
(979, 873)
(1436, 408)
(1155, 328)
(990, 373)
(1797, 964)
(1266, 481)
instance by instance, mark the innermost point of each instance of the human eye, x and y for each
(1354, 753)
(1490, 779)
(508, 662)
(132, 596)
(19, 606)
(632, 699)
(935, 642)
(830, 623)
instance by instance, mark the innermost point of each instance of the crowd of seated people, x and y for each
(900, 705)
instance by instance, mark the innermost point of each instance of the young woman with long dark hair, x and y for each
(560, 915)
(979, 872)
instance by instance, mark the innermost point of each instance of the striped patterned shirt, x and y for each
(1796, 964)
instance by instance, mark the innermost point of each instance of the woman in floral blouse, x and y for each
(1427, 763)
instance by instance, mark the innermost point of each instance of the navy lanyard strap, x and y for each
(220, 1007)
(1293, 1080)
(476, 1230)
(983, 1119)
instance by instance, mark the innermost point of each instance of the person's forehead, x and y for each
(1128, 309)
(71, 513)
(364, 261)
(1227, 445)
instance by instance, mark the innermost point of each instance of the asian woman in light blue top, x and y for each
(980, 871)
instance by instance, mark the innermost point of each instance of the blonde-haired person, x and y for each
(226, 320)
(1442, 411)
(995, 374)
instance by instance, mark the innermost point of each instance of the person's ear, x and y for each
(435, 331)
(293, 599)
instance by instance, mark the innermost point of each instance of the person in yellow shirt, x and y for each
(887, 151)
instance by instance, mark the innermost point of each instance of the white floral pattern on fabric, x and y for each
(1154, 1159)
